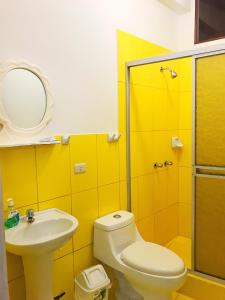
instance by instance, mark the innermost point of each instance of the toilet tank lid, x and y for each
(115, 220)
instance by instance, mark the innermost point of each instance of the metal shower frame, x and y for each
(194, 54)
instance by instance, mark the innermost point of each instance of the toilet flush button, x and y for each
(117, 216)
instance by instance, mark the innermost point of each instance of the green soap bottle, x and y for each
(13, 215)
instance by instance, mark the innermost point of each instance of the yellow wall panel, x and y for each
(134, 197)
(19, 176)
(123, 195)
(83, 259)
(53, 171)
(160, 147)
(185, 114)
(185, 184)
(159, 108)
(127, 50)
(109, 198)
(134, 154)
(173, 108)
(23, 210)
(85, 209)
(145, 196)
(172, 185)
(83, 149)
(159, 191)
(185, 220)
(146, 228)
(142, 160)
(141, 107)
(122, 107)
(63, 277)
(166, 225)
(122, 157)
(108, 160)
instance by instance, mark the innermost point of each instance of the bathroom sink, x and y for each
(36, 242)
(50, 230)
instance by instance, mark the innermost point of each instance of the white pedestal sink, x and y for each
(36, 243)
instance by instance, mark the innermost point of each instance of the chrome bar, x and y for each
(200, 52)
(216, 168)
(193, 163)
(128, 160)
(222, 176)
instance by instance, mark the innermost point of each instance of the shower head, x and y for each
(173, 74)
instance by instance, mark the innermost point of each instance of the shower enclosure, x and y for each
(206, 151)
(209, 165)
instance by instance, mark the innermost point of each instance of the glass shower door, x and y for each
(209, 166)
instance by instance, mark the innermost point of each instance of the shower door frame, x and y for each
(194, 54)
(195, 167)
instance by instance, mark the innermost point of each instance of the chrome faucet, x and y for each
(30, 216)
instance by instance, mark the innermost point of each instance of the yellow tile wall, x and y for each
(154, 119)
(161, 107)
(43, 177)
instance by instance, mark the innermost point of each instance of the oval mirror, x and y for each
(24, 98)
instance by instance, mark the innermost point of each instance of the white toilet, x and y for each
(144, 270)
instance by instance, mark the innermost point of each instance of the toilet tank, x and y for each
(112, 234)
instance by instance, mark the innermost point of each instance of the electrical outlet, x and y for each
(80, 168)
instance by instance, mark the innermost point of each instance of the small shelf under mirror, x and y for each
(30, 143)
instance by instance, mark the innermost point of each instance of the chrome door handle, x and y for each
(158, 165)
(168, 163)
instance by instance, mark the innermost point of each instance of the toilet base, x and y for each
(155, 296)
(125, 291)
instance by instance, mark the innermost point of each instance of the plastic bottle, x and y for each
(13, 215)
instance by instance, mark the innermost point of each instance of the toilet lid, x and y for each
(152, 259)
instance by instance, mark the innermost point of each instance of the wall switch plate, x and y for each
(80, 168)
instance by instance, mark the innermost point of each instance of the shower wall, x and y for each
(154, 120)
(161, 199)
(160, 110)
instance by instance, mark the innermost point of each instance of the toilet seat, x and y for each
(152, 259)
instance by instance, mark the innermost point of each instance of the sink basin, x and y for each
(36, 243)
(50, 230)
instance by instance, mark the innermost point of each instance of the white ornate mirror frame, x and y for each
(9, 130)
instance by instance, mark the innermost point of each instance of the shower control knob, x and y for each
(168, 163)
(158, 165)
